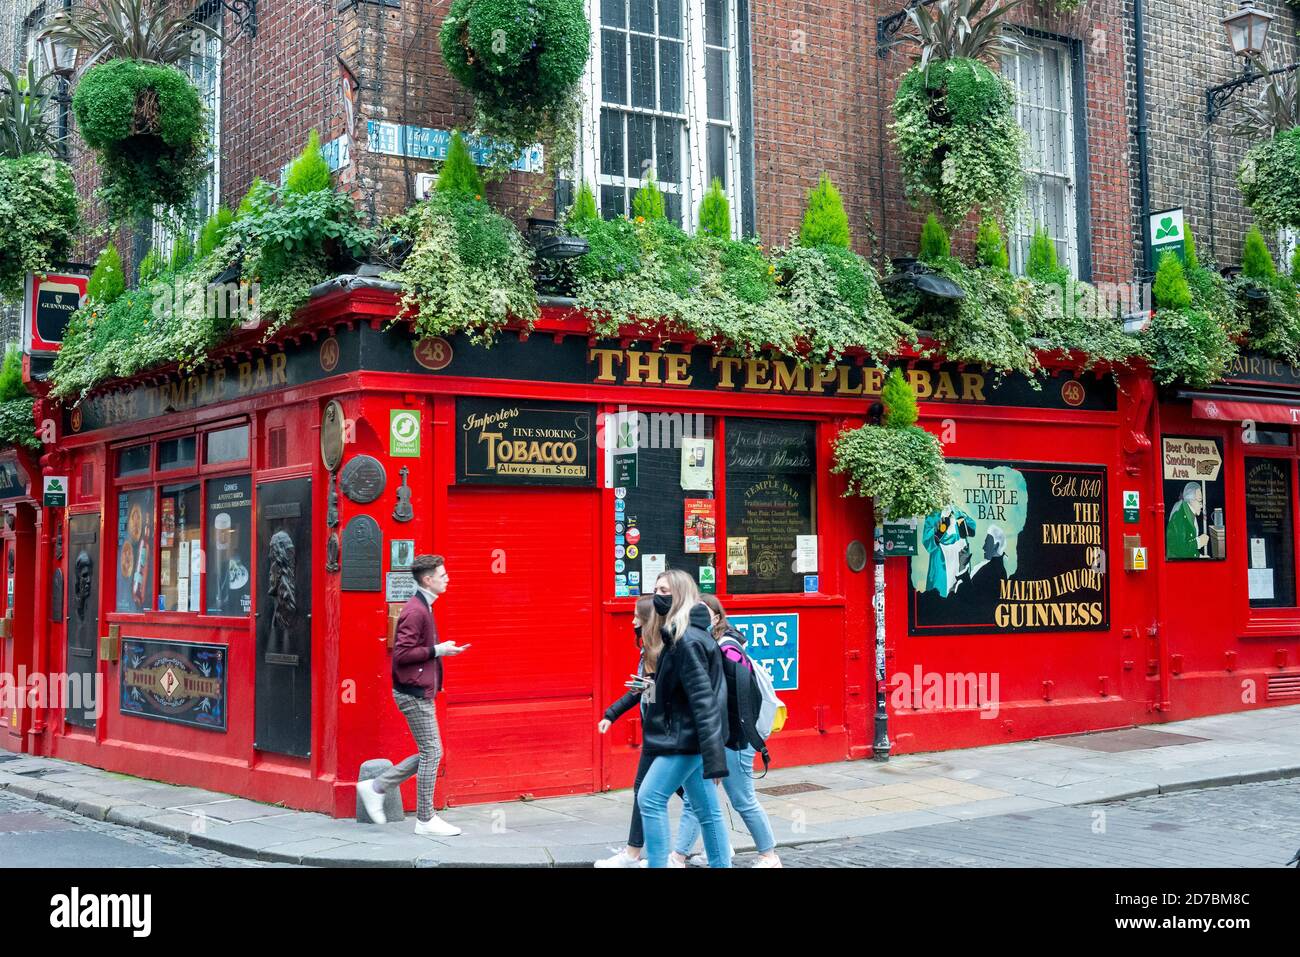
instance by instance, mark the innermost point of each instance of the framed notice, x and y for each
(1021, 548)
(1192, 471)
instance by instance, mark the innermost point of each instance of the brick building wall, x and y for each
(1192, 163)
(821, 102)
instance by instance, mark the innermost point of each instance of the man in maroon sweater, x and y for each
(417, 678)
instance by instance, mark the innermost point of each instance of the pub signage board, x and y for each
(176, 681)
(49, 301)
(523, 442)
(1022, 548)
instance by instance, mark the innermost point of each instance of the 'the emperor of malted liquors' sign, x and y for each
(521, 442)
(1022, 547)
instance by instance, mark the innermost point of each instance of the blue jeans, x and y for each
(739, 784)
(667, 773)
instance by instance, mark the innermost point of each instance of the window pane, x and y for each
(135, 544)
(715, 22)
(176, 453)
(771, 499)
(611, 12)
(640, 146)
(715, 77)
(718, 136)
(228, 445)
(1058, 142)
(670, 18)
(179, 536)
(230, 537)
(668, 151)
(670, 77)
(1267, 435)
(1271, 568)
(642, 15)
(612, 201)
(643, 72)
(134, 460)
(611, 143)
(613, 68)
(673, 207)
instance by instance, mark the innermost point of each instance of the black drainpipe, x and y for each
(1144, 182)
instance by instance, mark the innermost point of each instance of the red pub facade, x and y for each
(235, 540)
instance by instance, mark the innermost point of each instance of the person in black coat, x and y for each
(686, 727)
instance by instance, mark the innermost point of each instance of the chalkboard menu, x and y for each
(649, 526)
(771, 500)
(1270, 554)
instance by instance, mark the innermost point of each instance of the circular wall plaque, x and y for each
(856, 556)
(362, 479)
(331, 435)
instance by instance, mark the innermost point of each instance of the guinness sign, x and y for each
(48, 303)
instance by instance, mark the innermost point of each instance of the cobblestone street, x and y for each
(1250, 825)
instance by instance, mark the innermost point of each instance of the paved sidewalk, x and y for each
(807, 804)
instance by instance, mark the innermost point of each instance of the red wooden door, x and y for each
(519, 713)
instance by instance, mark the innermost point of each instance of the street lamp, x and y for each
(1248, 30)
(60, 58)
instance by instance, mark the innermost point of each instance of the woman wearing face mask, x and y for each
(646, 627)
(739, 782)
(686, 726)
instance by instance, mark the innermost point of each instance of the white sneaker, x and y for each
(702, 860)
(768, 861)
(372, 801)
(436, 827)
(675, 861)
(621, 860)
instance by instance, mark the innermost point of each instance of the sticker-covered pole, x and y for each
(880, 747)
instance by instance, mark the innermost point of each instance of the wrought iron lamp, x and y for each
(1248, 29)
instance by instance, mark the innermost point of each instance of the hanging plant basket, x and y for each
(145, 123)
(39, 219)
(1269, 178)
(522, 60)
(955, 129)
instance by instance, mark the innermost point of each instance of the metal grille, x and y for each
(802, 787)
(1283, 687)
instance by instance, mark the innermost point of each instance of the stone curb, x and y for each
(176, 826)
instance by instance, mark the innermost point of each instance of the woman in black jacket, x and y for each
(686, 726)
(640, 692)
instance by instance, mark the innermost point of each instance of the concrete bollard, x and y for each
(392, 798)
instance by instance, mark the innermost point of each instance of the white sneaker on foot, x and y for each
(436, 827)
(620, 859)
(769, 860)
(675, 861)
(702, 860)
(372, 801)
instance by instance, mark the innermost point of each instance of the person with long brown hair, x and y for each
(739, 782)
(645, 624)
(686, 725)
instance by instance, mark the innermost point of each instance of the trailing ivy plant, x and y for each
(522, 60)
(954, 123)
(1270, 307)
(39, 218)
(468, 269)
(17, 421)
(898, 465)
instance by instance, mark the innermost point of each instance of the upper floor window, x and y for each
(203, 66)
(1042, 74)
(663, 97)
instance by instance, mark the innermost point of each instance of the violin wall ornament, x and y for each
(403, 511)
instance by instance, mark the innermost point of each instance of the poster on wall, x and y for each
(1270, 567)
(700, 526)
(1022, 547)
(1192, 470)
(134, 561)
(230, 537)
(174, 681)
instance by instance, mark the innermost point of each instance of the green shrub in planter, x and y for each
(1269, 178)
(468, 271)
(715, 212)
(1185, 343)
(824, 221)
(39, 219)
(1268, 302)
(459, 175)
(935, 244)
(107, 281)
(145, 123)
(898, 465)
(956, 132)
(522, 60)
(990, 248)
(17, 421)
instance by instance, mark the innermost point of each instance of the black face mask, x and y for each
(636, 629)
(663, 603)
